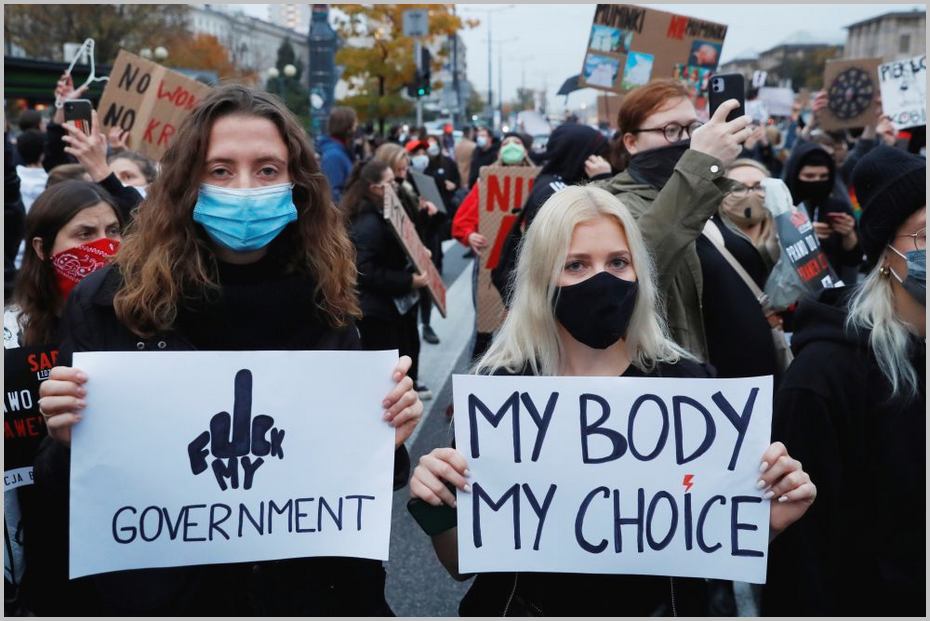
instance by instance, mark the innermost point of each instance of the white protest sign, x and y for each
(904, 91)
(189, 458)
(613, 475)
(778, 101)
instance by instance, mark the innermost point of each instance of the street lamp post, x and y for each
(490, 12)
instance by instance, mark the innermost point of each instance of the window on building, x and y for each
(904, 45)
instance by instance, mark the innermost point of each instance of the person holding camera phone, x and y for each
(810, 175)
(584, 304)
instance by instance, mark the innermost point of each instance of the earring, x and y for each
(885, 271)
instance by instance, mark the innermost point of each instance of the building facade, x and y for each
(252, 43)
(891, 36)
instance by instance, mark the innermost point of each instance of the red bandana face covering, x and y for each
(73, 264)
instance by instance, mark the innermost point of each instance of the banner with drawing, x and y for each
(254, 456)
(612, 475)
(630, 45)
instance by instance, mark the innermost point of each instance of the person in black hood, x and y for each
(485, 154)
(810, 175)
(853, 409)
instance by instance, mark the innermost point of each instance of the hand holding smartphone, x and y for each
(728, 86)
(79, 111)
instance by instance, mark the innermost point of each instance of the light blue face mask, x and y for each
(246, 219)
(915, 282)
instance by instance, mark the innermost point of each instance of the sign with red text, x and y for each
(630, 45)
(149, 101)
(799, 243)
(502, 190)
(419, 255)
(258, 455)
(24, 368)
(613, 475)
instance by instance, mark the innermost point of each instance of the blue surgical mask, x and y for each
(419, 162)
(915, 282)
(245, 219)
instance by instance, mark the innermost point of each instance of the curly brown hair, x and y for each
(166, 257)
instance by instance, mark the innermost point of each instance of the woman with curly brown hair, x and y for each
(239, 247)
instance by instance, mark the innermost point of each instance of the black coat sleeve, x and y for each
(372, 240)
(803, 576)
(55, 148)
(14, 218)
(127, 197)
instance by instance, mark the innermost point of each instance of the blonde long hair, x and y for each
(871, 308)
(529, 335)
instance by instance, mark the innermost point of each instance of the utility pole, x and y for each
(417, 58)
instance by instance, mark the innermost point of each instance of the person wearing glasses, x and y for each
(673, 184)
(853, 408)
(739, 336)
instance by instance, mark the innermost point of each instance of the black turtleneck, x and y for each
(261, 306)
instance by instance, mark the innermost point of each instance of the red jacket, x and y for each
(465, 221)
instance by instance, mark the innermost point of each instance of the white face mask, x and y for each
(433, 150)
(482, 141)
(419, 162)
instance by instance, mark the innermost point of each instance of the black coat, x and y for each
(591, 595)
(860, 549)
(481, 157)
(310, 586)
(383, 267)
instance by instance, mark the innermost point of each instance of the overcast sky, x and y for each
(550, 39)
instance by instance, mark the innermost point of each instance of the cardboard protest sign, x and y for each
(24, 368)
(427, 188)
(502, 189)
(630, 45)
(778, 101)
(407, 234)
(613, 475)
(904, 91)
(852, 93)
(799, 243)
(163, 476)
(149, 101)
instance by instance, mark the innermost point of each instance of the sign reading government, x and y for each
(149, 101)
(254, 456)
(613, 475)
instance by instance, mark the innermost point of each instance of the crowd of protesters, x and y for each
(650, 247)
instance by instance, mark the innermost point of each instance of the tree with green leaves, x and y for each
(41, 29)
(289, 88)
(378, 59)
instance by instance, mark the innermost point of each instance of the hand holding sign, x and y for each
(61, 401)
(402, 406)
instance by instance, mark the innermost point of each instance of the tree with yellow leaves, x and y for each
(378, 59)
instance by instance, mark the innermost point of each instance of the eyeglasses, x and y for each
(741, 191)
(920, 239)
(673, 131)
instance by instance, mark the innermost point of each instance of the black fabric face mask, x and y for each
(815, 192)
(597, 311)
(655, 166)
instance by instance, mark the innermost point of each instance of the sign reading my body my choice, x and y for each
(613, 475)
(222, 457)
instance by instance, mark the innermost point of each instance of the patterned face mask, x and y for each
(74, 264)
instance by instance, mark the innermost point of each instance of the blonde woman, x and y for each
(585, 304)
(853, 408)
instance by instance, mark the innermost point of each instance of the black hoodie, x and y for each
(860, 549)
(833, 245)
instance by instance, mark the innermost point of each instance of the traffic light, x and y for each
(420, 87)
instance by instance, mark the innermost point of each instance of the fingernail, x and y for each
(453, 503)
(386, 415)
(82, 391)
(768, 495)
(81, 403)
(385, 403)
(467, 472)
(81, 376)
(760, 484)
(467, 487)
(763, 466)
(783, 499)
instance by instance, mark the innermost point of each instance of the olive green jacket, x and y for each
(670, 221)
